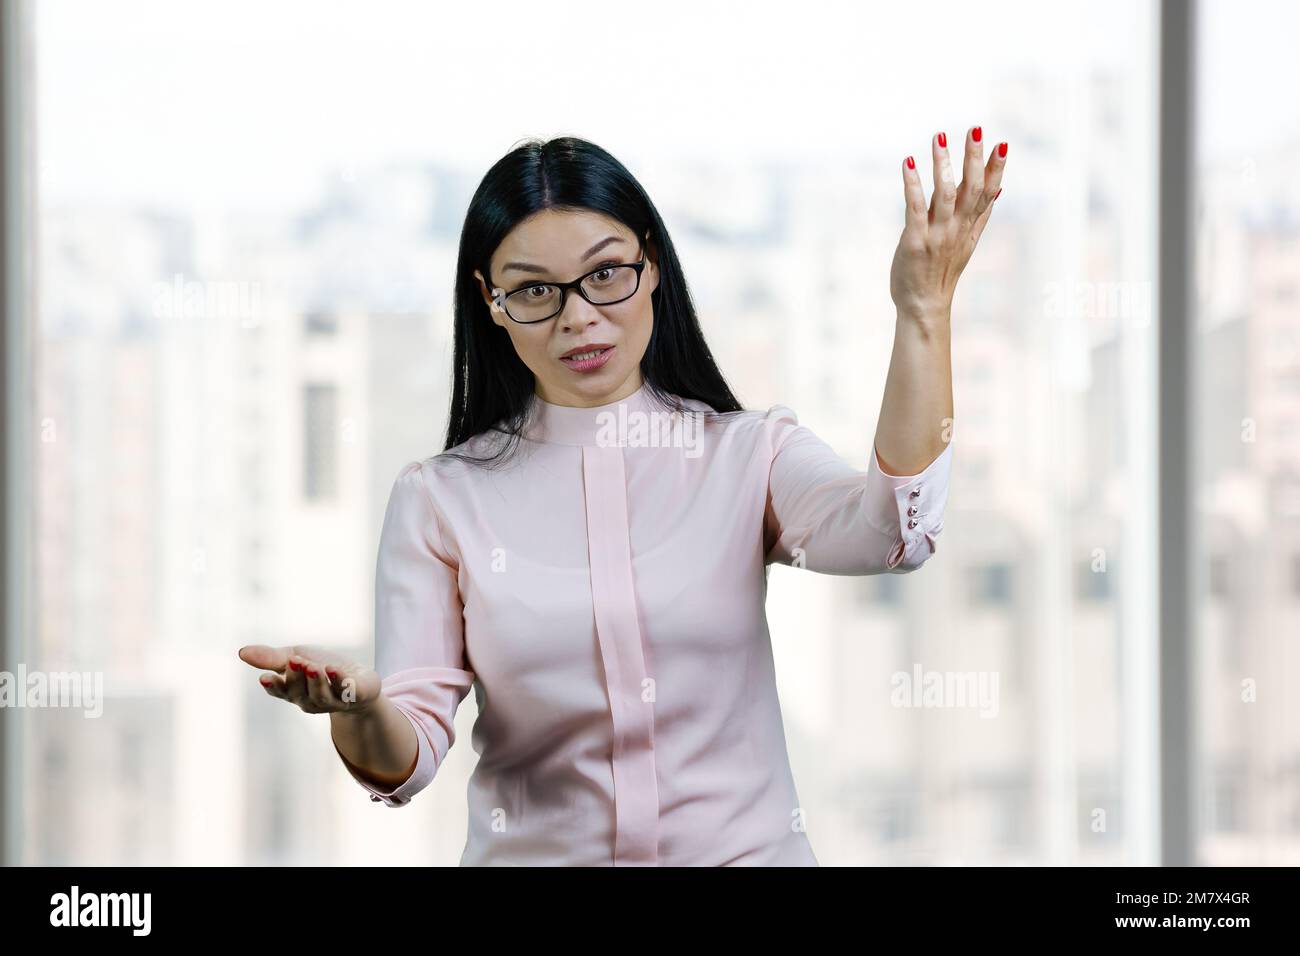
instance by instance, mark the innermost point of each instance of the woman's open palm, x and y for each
(317, 680)
(938, 240)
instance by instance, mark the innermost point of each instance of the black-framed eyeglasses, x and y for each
(539, 301)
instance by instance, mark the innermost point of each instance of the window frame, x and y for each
(1172, 816)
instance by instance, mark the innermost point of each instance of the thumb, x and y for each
(265, 657)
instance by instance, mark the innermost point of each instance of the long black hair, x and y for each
(492, 388)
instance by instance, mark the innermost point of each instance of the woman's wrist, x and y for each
(934, 323)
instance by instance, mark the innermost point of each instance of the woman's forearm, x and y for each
(379, 742)
(916, 411)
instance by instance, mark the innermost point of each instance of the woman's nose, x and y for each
(577, 313)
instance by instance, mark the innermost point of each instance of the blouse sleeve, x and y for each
(825, 515)
(419, 630)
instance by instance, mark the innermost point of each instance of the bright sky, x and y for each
(242, 102)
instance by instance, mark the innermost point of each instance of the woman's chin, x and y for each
(593, 386)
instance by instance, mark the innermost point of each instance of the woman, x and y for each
(590, 550)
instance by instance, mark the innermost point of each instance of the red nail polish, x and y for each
(311, 671)
(1002, 149)
(943, 140)
(294, 665)
(265, 681)
(998, 193)
(331, 673)
(911, 163)
(976, 133)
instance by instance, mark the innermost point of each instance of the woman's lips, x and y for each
(590, 364)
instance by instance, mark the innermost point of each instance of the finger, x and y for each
(980, 222)
(295, 684)
(273, 684)
(972, 176)
(265, 657)
(318, 688)
(993, 170)
(945, 190)
(914, 197)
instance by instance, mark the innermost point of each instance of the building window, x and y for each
(321, 323)
(880, 590)
(1218, 577)
(1225, 801)
(1094, 585)
(989, 584)
(320, 459)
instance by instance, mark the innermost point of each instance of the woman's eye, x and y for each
(541, 291)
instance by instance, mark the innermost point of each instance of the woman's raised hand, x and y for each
(938, 240)
(317, 680)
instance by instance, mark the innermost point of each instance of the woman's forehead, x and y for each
(554, 239)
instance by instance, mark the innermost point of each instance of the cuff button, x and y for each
(912, 523)
(915, 491)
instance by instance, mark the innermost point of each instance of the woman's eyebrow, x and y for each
(529, 267)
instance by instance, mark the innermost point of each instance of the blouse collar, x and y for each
(593, 425)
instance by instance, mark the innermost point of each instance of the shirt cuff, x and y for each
(425, 767)
(910, 508)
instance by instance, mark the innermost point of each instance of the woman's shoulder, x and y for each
(459, 460)
(747, 428)
(747, 418)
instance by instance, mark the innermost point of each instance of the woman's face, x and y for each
(559, 246)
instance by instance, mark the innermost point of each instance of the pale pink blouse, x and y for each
(604, 596)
